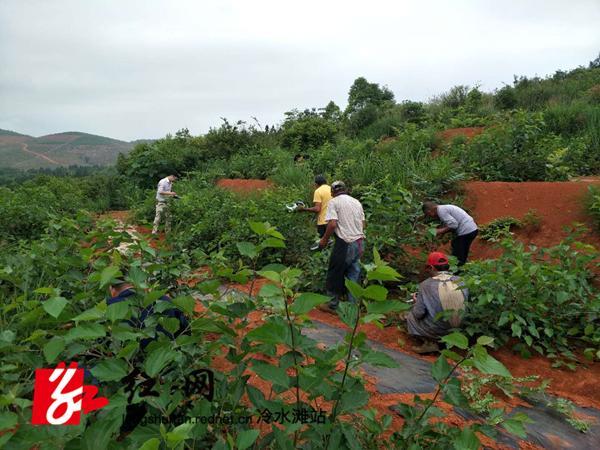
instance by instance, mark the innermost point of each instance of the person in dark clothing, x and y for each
(457, 221)
(437, 307)
(123, 291)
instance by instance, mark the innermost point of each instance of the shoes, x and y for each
(426, 347)
(326, 308)
(315, 246)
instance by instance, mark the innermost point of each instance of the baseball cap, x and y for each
(437, 259)
(338, 186)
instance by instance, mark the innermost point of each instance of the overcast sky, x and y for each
(133, 69)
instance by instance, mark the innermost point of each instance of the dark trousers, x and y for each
(343, 263)
(321, 230)
(461, 246)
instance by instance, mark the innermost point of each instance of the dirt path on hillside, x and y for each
(25, 148)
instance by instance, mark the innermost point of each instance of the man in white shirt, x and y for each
(457, 221)
(346, 220)
(163, 192)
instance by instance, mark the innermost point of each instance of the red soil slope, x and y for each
(558, 204)
(448, 135)
(243, 186)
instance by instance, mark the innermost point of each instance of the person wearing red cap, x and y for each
(438, 305)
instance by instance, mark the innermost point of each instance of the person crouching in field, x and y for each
(457, 221)
(438, 305)
(163, 192)
(346, 219)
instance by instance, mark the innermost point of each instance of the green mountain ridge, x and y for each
(22, 152)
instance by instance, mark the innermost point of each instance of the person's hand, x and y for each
(300, 208)
(322, 243)
(439, 231)
(414, 296)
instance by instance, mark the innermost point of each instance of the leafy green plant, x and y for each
(498, 228)
(542, 298)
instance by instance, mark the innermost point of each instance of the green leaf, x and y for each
(118, 311)
(272, 243)
(247, 249)
(94, 313)
(85, 331)
(258, 227)
(109, 274)
(516, 425)
(379, 359)
(348, 313)
(375, 292)
(150, 444)
(53, 348)
(274, 374)
(466, 440)
(487, 364)
(383, 273)
(387, 307)
(161, 355)
(246, 438)
(270, 275)
(186, 303)
(54, 306)
(353, 400)
(305, 302)
(485, 340)
(110, 370)
(456, 339)
(270, 333)
(440, 369)
(516, 329)
(354, 289)
(7, 420)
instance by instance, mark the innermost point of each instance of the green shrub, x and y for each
(543, 298)
(593, 204)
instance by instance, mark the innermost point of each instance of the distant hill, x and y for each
(19, 151)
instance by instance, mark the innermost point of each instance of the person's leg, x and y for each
(353, 266)
(321, 230)
(335, 283)
(157, 217)
(459, 249)
(167, 214)
(469, 238)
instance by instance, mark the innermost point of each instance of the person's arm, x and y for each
(419, 310)
(331, 226)
(448, 221)
(161, 191)
(315, 209)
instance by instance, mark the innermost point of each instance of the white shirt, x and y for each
(457, 219)
(349, 215)
(164, 185)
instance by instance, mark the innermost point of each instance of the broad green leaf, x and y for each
(516, 425)
(246, 438)
(7, 420)
(109, 274)
(85, 331)
(485, 340)
(258, 227)
(487, 364)
(440, 369)
(383, 273)
(270, 333)
(54, 305)
(372, 317)
(271, 373)
(387, 307)
(186, 303)
(456, 339)
(53, 348)
(348, 313)
(161, 355)
(305, 302)
(375, 292)
(94, 313)
(150, 444)
(516, 329)
(118, 311)
(354, 288)
(466, 440)
(353, 400)
(272, 243)
(247, 249)
(270, 275)
(110, 370)
(379, 359)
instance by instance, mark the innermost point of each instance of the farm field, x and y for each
(222, 315)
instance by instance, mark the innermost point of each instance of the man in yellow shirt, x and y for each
(320, 200)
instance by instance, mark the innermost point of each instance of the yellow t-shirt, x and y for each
(322, 196)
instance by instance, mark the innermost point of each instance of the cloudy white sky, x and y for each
(134, 69)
